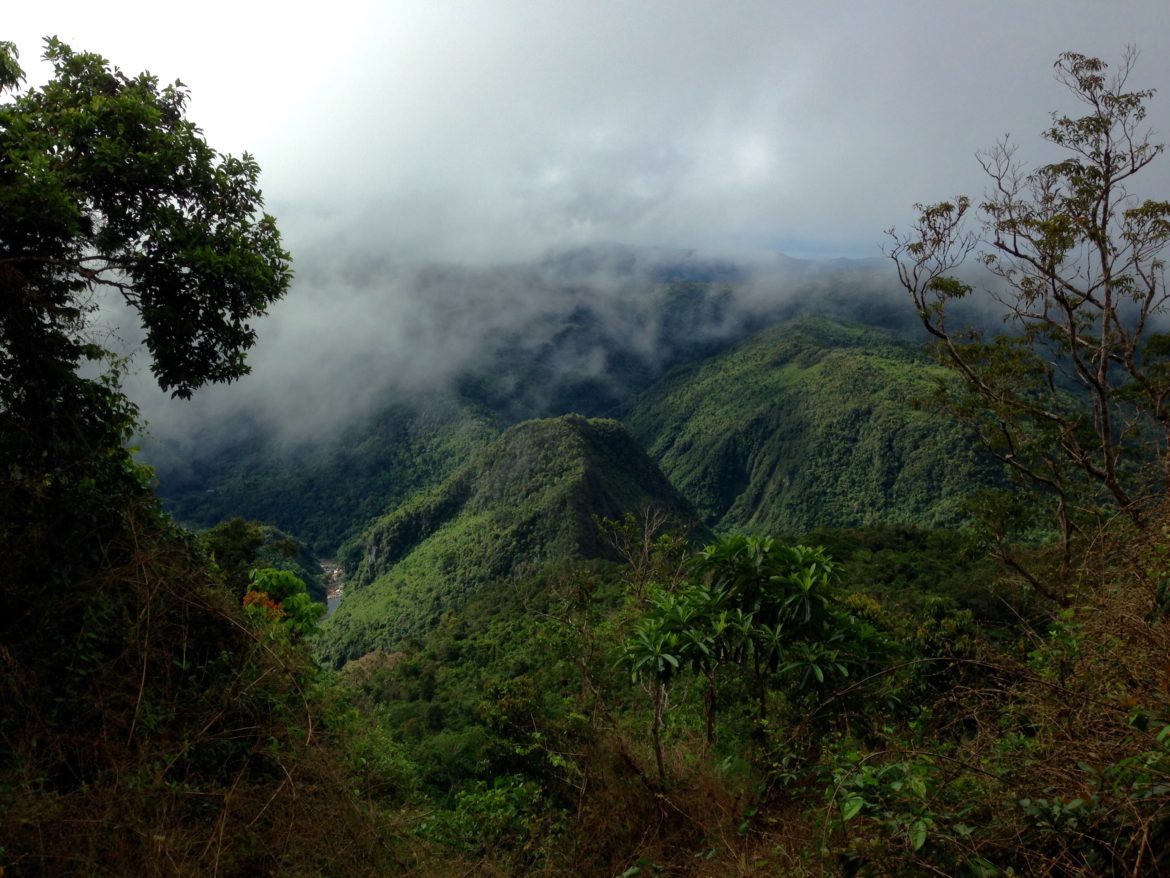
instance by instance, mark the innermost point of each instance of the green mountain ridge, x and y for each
(528, 499)
(326, 492)
(612, 323)
(809, 424)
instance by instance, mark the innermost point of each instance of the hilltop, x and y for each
(528, 499)
(808, 424)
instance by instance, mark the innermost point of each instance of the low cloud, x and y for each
(348, 341)
(476, 137)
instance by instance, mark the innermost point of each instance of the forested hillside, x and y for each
(592, 328)
(528, 501)
(672, 572)
(809, 424)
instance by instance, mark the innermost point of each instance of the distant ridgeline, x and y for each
(807, 424)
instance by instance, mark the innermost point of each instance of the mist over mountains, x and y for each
(596, 323)
(703, 358)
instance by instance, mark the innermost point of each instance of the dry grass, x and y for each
(147, 728)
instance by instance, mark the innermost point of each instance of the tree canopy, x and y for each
(106, 188)
(106, 184)
(136, 692)
(1075, 397)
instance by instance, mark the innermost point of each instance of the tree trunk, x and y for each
(709, 705)
(761, 693)
(659, 699)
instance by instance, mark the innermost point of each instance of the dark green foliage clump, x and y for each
(140, 695)
(905, 566)
(325, 492)
(238, 547)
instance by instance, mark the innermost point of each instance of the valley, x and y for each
(809, 423)
(483, 546)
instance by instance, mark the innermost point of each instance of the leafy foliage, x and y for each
(1074, 398)
(145, 726)
(105, 183)
(238, 547)
(282, 596)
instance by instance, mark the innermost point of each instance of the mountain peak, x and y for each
(528, 498)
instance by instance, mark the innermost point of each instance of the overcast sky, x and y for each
(481, 130)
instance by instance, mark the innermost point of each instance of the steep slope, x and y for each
(529, 498)
(330, 440)
(325, 492)
(573, 353)
(811, 423)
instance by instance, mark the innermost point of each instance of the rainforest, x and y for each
(680, 565)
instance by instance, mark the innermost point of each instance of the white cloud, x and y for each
(485, 127)
(482, 131)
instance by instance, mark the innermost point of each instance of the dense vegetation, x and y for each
(913, 738)
(810, 423)
(148, 723)
(907, 663)
(527, 500)
(325, 493)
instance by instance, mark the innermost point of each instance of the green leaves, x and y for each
(11, 75)
(851, 807)
(782, 593)
(105, 183)
(285, 597)
(759, 604)
(652, 652)
(896, 795)
(1074, 398)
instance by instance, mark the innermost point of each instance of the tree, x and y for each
(786, 619)
(106, 187)
(1075, 397)
(285, 594)
(653, 654)
(106, 184)
(767, 607)
(133, 693)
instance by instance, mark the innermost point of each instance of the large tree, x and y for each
(1074, 397)
(148, 725)
(106, 188)
(105, 183)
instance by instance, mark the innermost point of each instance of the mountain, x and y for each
(581, 353)
(529, 498)
(808, 424)
(338, 435)
(325, 492)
